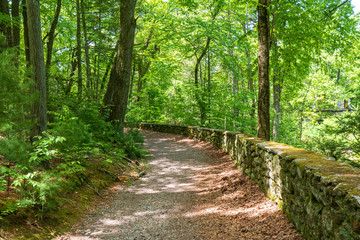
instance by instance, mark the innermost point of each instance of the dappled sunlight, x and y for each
(198, 194)
(110, 222)
(260, 209)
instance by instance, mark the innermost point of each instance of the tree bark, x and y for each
(198, 97)
(15, 13)
(86, 47)
(277, 88)
(108, 67)
(51, 37)
(26, 34)
(5, 27)
(143, 67)
(78, 38)
(74, 64)
(263, 123)
(122, 67)
(108, 96)
(99, 51)
(132, 82)
(38, 67)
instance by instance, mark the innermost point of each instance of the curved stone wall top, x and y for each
(321, 196)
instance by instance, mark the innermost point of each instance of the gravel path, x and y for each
(191, 191)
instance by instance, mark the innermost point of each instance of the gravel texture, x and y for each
(191, 191)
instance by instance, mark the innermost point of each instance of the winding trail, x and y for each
(191, 191)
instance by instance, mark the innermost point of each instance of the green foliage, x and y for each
(38, 190)
(16, 151)
(132, 141)
(14, 97)
(44, 150)
(338, 137)
(71, 128)
(324, 139)
(3, 173)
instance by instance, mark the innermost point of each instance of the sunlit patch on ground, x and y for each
(191, 191)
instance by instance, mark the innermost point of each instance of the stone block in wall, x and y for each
(320, 196)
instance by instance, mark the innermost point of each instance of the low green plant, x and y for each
(38, 190)
(132, 140)
(69, 126)
(3, 181)
(338, 136)
(44, 149)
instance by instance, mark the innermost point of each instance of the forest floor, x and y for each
(192, 190)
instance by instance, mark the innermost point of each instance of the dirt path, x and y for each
(191, 191)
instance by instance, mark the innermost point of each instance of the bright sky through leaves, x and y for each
(356, 4)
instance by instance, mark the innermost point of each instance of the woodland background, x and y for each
(72, 72)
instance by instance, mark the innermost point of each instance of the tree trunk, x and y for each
(38, 67)
(86, 46)
(5, 27)
(72, 73)
(209, 83)
(78, 38)
(122, 66)
(108, 96)
(108, 67)
(15, 12)
(276, 99)
(276, 94)
(26, 34)
(199, 98)
(143, 67)
(263, 123)
(132, 81)
(51, 36)
(99, 51)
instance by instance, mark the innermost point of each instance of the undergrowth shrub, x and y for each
(132, 141)
(38, 191)
(69, 126)
(338, 136)
(78, 142)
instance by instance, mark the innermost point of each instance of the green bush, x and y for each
(69, 126)
(132, 141)
(38, 190)
(338, 136)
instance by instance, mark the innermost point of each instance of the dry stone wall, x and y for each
(319, 195)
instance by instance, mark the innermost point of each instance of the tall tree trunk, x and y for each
(209, 82)
(5, 27)
(86, 46)
(276, 94)
(143, 67)
(74, 64)
(250, 86)
(108, 67)
(263, 123)
(108, 96)
(123, 64)
(51, 37)
(132, 81)
(15, 13)
(26, 33)
(99, 51)
(78, 38)
(199, 98)
(38, 67)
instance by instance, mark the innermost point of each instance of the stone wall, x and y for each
(320, 196)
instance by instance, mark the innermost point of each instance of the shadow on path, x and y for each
(191, 191)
